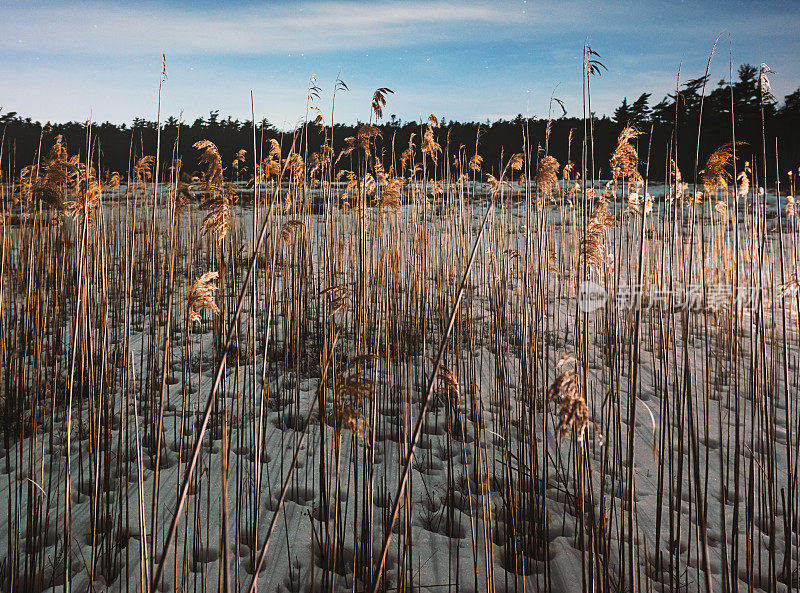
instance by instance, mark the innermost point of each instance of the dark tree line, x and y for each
(669, 128)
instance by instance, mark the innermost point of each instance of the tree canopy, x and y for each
(668, 128)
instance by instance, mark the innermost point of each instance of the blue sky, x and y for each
(66, 60)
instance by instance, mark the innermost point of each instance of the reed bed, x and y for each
(397, 372)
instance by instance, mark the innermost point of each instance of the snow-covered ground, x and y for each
(496, 499)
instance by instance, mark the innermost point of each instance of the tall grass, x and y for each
(378, 371)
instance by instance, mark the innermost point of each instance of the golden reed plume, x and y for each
(218, 199)
(566, 394)
(201, 296)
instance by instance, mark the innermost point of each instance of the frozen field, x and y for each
(679, 472)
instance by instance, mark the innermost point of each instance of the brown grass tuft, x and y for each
(289, 229)
(349, 417)
(212, 160)
(566, 394)
(625, 160)
(201, 296)
(450, 387)
(379, 101)
(361, 141)
(547, 176)
(390, 198)
(593, 245)
(716, 174)
(429, 145)
(218, 199)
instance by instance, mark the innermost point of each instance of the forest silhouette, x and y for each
(728, 113)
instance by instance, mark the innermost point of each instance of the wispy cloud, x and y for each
(262, 29)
